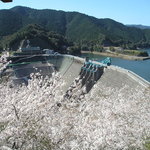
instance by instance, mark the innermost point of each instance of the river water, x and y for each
(142, 68)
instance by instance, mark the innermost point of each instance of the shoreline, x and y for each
(128, 57)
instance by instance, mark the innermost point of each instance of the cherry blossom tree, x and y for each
(39, 116)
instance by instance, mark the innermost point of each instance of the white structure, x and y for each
(26, 48)
(48, 51)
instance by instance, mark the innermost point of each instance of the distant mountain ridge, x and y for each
(139, 26)
(75, 26)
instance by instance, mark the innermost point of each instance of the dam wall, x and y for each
(113, 76)
(70, 66)
(132, 76)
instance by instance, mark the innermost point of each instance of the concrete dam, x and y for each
(70, 68)
(89, 105)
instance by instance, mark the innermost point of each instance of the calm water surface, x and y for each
(142, 68)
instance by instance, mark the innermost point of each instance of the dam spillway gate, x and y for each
(90, 73)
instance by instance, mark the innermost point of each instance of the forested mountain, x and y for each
(81, 28)
(38, 36)
(139, 26)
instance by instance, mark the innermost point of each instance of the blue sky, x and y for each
(124, 11)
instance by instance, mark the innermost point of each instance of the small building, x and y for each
(25, 48)
(48, 51)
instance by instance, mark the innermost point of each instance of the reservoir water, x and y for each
(142, 68)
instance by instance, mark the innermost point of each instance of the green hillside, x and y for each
(38, 36)
(10, 22)
(77, 27)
